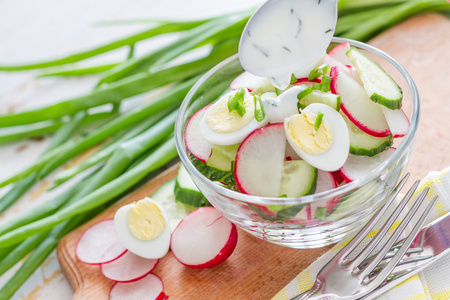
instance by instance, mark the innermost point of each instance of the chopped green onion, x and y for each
(259, 108)
(324, 85)
(236, 102)
(293, 78)
(307, 90)
(319, 71)
(318, 121)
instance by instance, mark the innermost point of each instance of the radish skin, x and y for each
(128, 268)
(98, 244)
(193, 138)
(203, 239)
(339, 53)
(397, 121)
(149, 287)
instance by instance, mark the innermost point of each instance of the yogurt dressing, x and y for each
(285, 37)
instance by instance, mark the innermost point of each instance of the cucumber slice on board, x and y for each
(362, 143)
(186, 191)
(316, 96)
(165, 197)
(380, 87)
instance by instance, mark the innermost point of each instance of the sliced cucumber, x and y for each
(298, 179)
(380, 87)
(186, 191)
(317, 96)
(165, 197)
(362, 143)
(222, 157)
(214, 174)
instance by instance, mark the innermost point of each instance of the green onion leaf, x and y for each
(319, 71)
(307, 90)
(293, 78)
(318, 121)
(259, 109)
(321, 213)
(236, 102)
(324, 86)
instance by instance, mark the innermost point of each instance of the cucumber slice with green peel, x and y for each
(214, 174)
(316, 96)
(380, 87)
(222, 157)
(362, 143)
(165, 197)
(186, 191)
(298, 178)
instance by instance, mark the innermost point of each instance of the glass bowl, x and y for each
(349, 206)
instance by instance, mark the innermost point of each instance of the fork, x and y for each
(345, 278)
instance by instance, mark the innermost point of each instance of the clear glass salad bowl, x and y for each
(349, 205)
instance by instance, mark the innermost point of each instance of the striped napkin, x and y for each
(432, 283)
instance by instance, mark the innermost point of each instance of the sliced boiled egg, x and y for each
(325, 147)
(143, 228)
(219, 126)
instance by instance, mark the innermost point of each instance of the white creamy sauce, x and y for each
(283, 106)
(285, 36)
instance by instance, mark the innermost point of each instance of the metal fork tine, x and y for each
(412, 235)
(363, 233)
(364, 254)
(371, 266)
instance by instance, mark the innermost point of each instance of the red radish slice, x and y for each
(259, 161)
(357, 166)
(338, 177)
(203, 239)
(349, 69)
(193, 138)
(249, 81)
(98, 244)
(339, 53)
(325, 182)
(306, 81)
(397, 121)
(129, 267)
(357, 106)
(162, 296)
(149, 287)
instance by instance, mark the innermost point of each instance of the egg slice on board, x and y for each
(221, 127)
(326, 148)
(143, 228)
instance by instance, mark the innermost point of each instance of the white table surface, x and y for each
(34, 30)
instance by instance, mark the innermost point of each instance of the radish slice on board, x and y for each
(357, 166)
(397, 121)
(357, 106)
(129, 267)
(339, 53)
(149, 287)
(259, 161)
(203, 239)
(193, 138)
(98, 244)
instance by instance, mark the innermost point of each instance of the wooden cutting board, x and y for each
(257, 269)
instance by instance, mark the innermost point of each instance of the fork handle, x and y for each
(314, 293)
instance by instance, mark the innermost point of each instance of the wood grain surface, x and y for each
(257, 269)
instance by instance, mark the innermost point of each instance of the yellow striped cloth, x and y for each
(432, 283)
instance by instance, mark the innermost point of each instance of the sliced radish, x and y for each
(397, 121)
(357, 106)
(149, 287)
(193, 138)
(251, 82)
(129, 267)
(339, 53)
(349, 69)
(357, 166)
(98, 244)
(325, 182)
(203, 239)
(305, 80)
(338, 177)
(259, 161)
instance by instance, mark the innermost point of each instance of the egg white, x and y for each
(152, 249)
(335, 157)
(230, 138)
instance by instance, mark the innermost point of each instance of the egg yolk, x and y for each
(301, 129)
(220, 120)
(145, 220)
